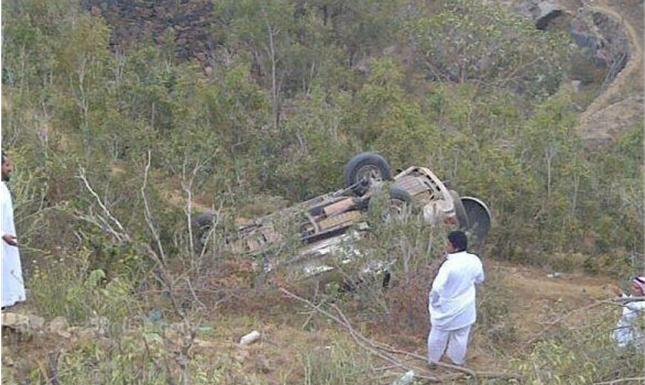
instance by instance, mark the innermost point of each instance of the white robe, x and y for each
(13, 289)
(627, 331)
(452, 299)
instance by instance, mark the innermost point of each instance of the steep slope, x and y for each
(620, 105)
(611, 34)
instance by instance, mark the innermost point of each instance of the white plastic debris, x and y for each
(405, 379)
(250, 338)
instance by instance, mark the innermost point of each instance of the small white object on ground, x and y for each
(405, 379)
(250, 338)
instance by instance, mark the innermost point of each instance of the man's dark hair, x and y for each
(4, 157)
(459, 240)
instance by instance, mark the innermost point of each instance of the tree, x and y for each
(482, 43)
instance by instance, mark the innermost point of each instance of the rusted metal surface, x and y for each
(343, 219)
(339, 207)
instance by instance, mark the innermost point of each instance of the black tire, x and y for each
(362, 169)
(400, 202)
(480, 220)
(397, 204)
(460, 211)
(400, 194)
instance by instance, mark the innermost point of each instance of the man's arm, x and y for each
(480, 276)
(635, 306)
(5, 224)
(438, 285)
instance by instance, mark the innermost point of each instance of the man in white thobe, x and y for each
(13, 289)
(452, 301)
(627, 332)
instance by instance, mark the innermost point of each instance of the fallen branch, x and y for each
(358, 338)
(462, 369)
(619, 301)
(560, 319)
(311, 314)
(53, 367)
(621, 380)
(623, 300)
(381, 350)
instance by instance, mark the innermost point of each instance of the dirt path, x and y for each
(542, 296)
(617, 87)
(620, 106)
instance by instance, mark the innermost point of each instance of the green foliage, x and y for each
(281, 116)
(583, 356)
(67, 287)
(315, 145)
(473, 41)
(494, 301)
(291, 92)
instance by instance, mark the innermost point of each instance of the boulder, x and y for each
(59, 326)
(15, 321)
(36, 322)
(541, 12)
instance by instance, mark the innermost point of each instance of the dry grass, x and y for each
(300, 347)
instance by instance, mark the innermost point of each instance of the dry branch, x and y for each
(121, 235)
(619, 301)
(53, 367)
(381, 350)
(358, 338)
(148, 215)
(621, 380)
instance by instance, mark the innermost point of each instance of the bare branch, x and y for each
(620, 301)
(148, 215)
(101, 205)
(621, 380)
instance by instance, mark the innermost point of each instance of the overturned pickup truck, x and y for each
(325, 222)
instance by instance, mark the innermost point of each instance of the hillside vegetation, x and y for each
(120, 138)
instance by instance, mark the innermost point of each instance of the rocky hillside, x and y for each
(189, 26)
(610, 33)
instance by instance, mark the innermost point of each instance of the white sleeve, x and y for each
(438, 285)
(5, 224)
(636, 305)
(480, 275)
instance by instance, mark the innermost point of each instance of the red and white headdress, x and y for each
(640, 282)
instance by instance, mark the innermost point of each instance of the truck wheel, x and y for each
(400, 203)
(480, 220)
(397, 205)
(365, 168)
